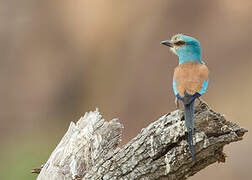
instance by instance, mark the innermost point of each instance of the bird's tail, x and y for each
(189, 121)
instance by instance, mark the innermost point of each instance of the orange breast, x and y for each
(189, 77)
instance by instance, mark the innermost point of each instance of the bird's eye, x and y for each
(180, 43)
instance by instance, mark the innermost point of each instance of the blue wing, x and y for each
(174, 84)
(204, 87)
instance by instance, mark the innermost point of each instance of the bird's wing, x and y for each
(191, 77)
(174, 85)
(204, 87)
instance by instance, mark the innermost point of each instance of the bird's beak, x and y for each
(167, 43)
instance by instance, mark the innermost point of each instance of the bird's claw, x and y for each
(203, 104)
(177, 103)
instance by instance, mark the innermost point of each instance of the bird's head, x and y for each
(185, 47)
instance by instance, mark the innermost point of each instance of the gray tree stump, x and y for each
(89, 149)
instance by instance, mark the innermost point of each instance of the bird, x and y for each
(190, 78)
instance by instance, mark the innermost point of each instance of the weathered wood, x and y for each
(89, 149)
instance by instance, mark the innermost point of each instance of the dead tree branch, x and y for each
(89, 149)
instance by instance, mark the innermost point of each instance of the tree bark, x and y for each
(89, 149)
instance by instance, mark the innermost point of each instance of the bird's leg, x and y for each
(177, 103)
(202, 102)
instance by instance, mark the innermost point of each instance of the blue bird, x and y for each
(190, 78)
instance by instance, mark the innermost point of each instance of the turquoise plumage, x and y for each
(190, 79)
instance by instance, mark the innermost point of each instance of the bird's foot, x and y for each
(177, 103)
(203, 104)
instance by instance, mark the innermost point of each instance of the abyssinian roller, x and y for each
(190, 78)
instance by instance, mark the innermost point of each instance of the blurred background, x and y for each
(62, 58)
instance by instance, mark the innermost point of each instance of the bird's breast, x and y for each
(189, 77)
